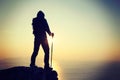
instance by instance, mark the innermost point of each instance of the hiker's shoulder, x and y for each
(34, 19)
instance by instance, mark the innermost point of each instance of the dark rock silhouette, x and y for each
(27, 73)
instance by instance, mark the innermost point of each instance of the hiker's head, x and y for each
(40, 14)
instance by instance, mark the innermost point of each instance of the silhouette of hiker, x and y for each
(40, 27)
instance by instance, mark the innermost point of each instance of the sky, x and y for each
(85, 30)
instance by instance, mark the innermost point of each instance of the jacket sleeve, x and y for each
(47, 27)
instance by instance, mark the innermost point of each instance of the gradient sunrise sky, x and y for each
(85, 30)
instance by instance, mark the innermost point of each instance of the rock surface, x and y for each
(28, 73)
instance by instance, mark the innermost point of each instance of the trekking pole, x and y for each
(51, 51)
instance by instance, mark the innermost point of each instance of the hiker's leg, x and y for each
(45, 46)
(35, 52)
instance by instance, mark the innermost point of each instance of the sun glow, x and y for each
(50, 39)
(57, 68)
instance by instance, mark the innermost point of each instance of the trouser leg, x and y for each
(46, 51)
(35, 52)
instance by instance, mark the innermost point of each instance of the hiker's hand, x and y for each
(52, 34)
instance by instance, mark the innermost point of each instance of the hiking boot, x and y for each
(33, 66)
(48, 68)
